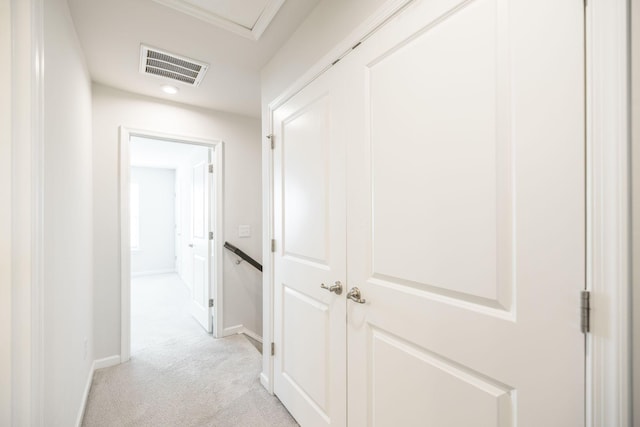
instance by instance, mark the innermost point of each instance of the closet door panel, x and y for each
(466, 216)
(310, 258)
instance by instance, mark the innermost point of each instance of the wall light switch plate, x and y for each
(244, 231)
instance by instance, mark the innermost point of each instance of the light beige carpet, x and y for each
(187, 379)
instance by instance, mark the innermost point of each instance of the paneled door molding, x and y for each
(608, 220)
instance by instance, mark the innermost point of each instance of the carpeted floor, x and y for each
(181, 378)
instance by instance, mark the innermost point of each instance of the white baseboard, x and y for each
(106, 362)
(97, 364)
(252, 335)
(85, 395)
(232, 330)
(265, 382)
(151, 272)
(240, 329)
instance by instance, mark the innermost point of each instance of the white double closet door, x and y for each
(439, 168)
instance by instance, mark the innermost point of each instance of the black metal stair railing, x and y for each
(242, 255)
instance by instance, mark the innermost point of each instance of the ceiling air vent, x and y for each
(170, 66)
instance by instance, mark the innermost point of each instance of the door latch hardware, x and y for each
(211, 302)
(354, 295)
(337, 288)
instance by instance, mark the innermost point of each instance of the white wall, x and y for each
(327, 25)
(113, 108)
(157, 246)
(5, 212)
(68, 228)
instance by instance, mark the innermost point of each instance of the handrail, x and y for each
(242, 255)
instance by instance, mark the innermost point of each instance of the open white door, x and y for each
(200, 233)
(466, 228)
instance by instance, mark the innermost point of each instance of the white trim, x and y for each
(608, 231)
(267, 15)
(125, 250)
(152, 272)
(97, 364)
(264, 380)
(6, 114)
(240, 329)
(252, 334)
(253, 33)
(389, 9)
(37, 188)
(27, 136)
(106, 362)
(85, 395)
(233, 330)
(267, 257)
(218, 292)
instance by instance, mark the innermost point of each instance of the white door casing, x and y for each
(310, 219)
(201, 226)
(466, 217)
(216, 222)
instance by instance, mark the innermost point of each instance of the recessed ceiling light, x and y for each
(172, 90)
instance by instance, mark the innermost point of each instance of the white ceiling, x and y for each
(111, 32)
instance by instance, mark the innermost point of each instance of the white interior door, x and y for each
(309, 227)
(466, 217)
(201, 226)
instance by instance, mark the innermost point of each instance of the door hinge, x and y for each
(211, 235)
(272, 140)
(273, 245)
(211, 302)
(585, 311)
(273, 349)
(211, 168)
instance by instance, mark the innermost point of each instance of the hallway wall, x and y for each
(113, 108)
(68, 229)
(157, 220)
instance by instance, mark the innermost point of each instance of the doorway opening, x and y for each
(171, 196)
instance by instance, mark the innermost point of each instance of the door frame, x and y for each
(608, 346)
(217, 284)
(607, 62)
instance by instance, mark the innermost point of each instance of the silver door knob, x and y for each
(337, 288)
(354, 295)
(190, 245)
